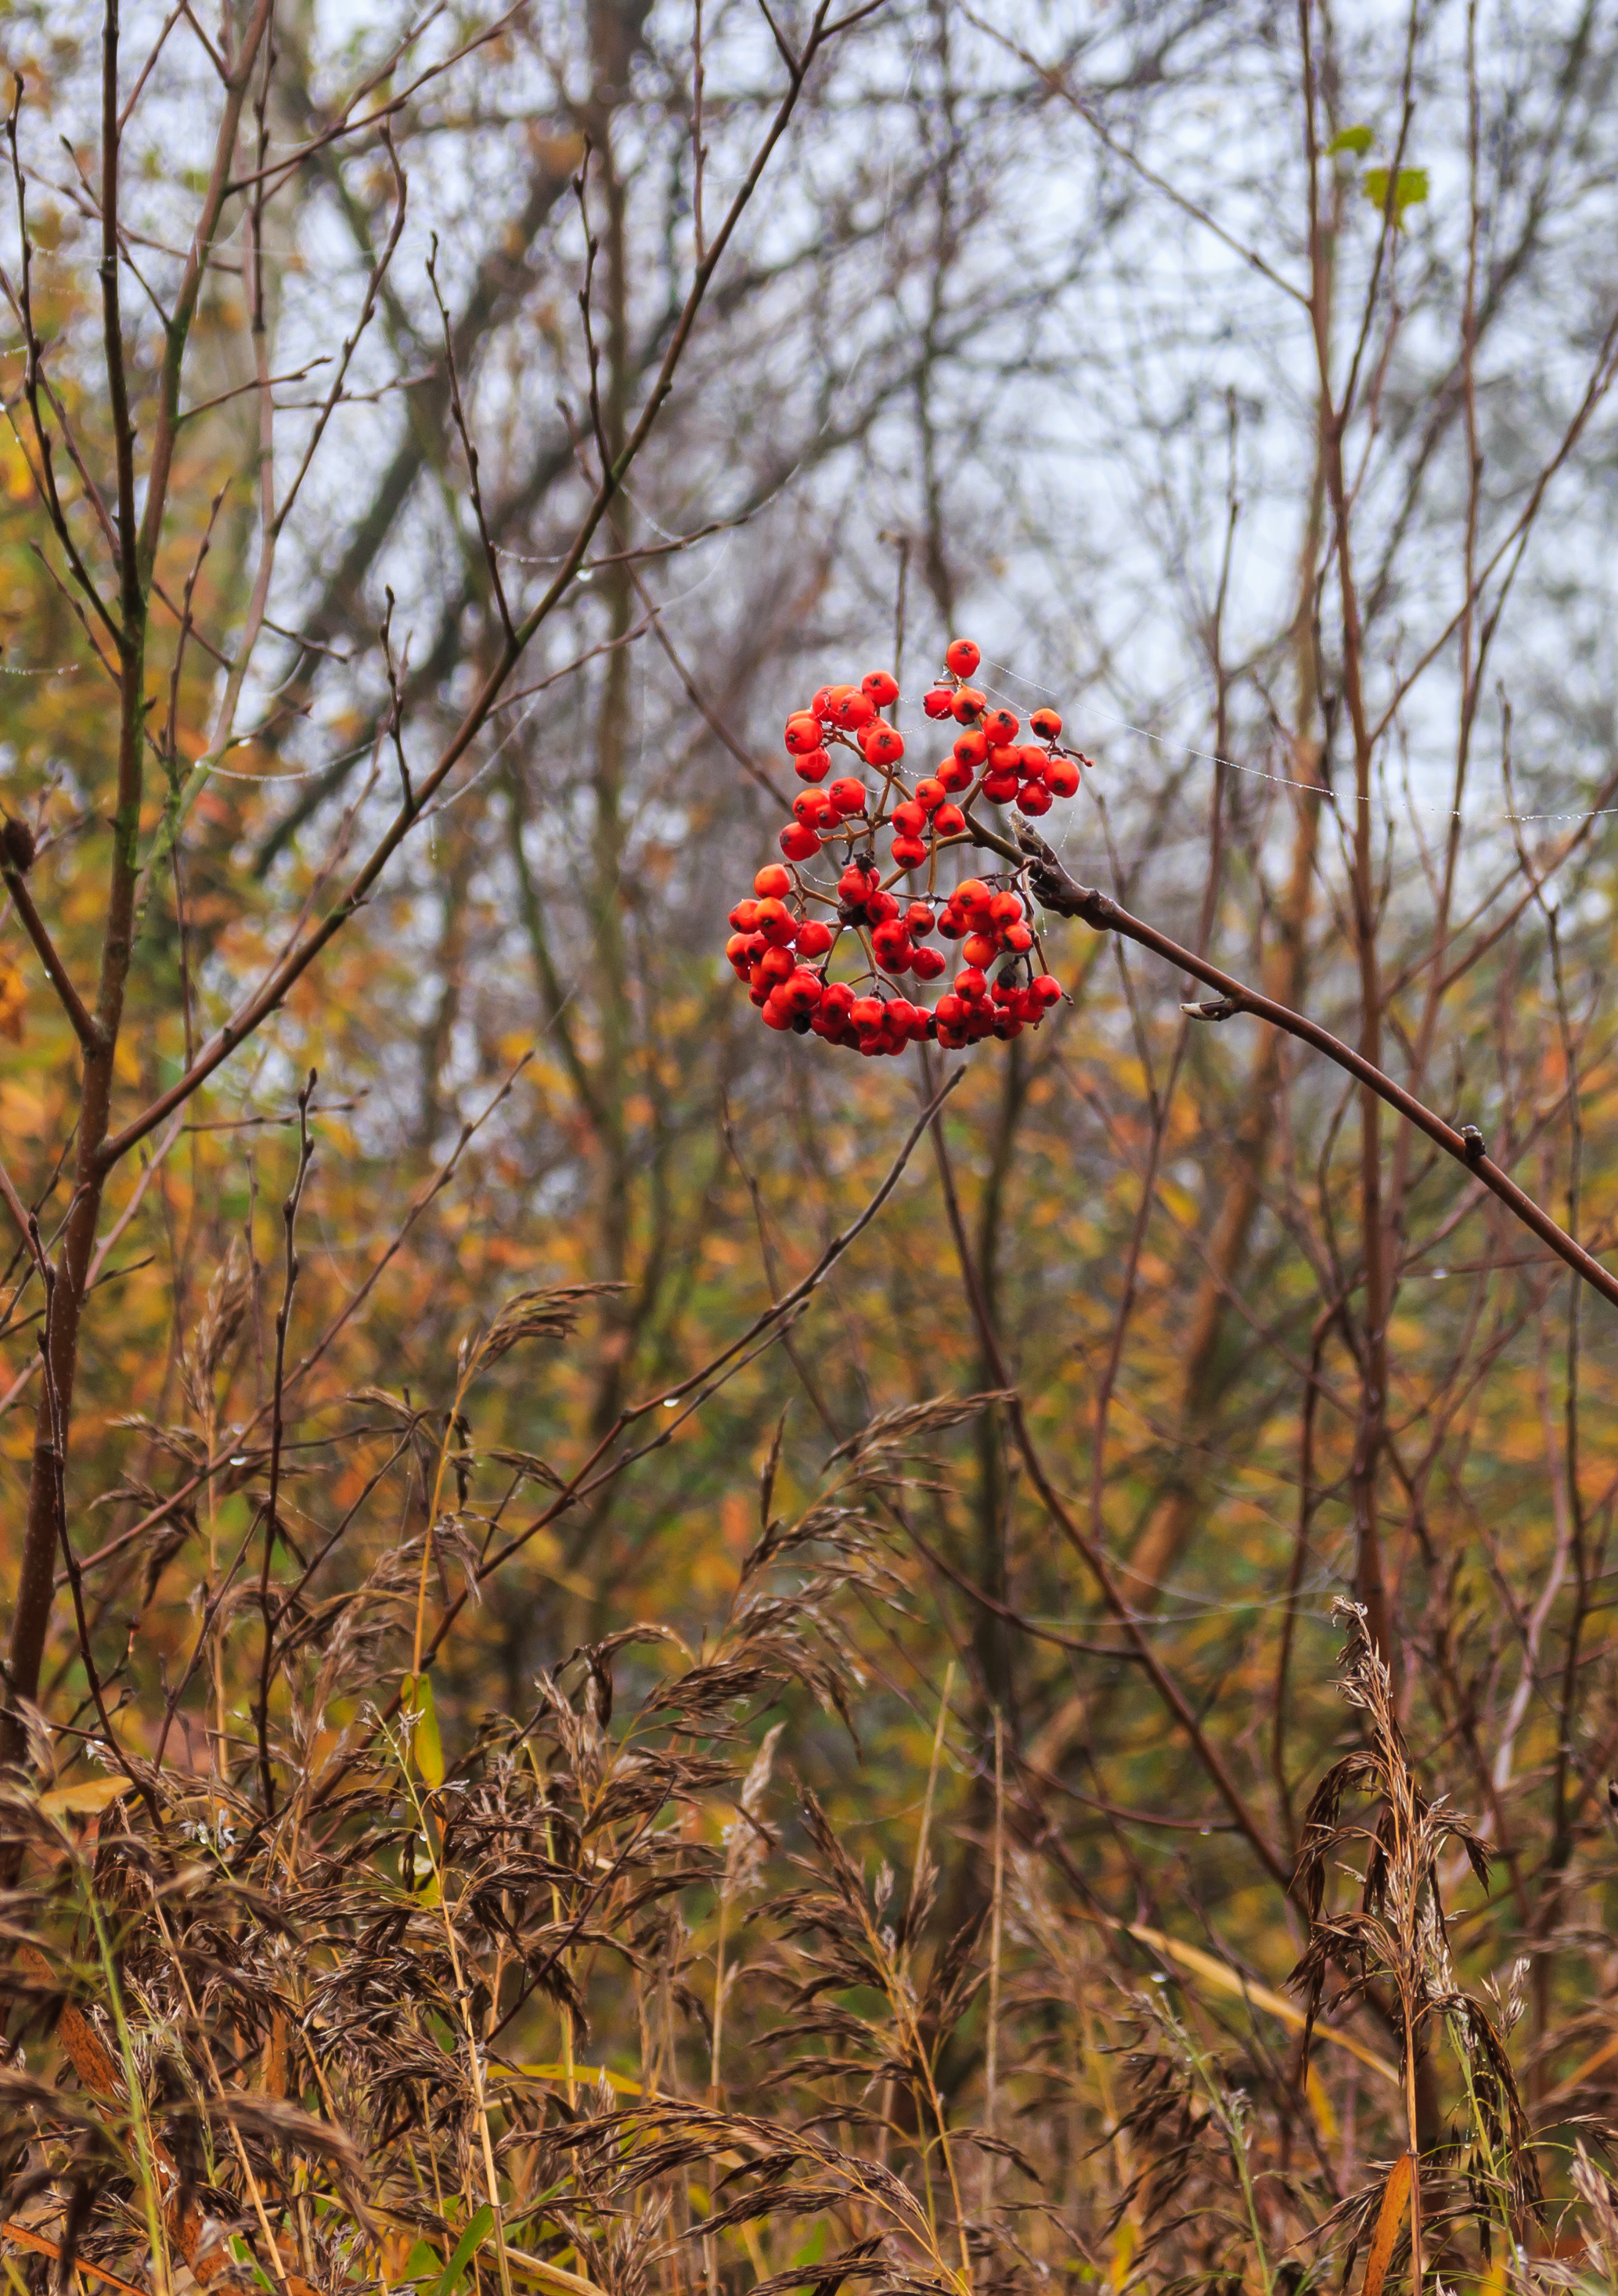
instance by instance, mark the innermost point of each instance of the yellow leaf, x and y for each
(85, 1798)
(1394, 2197)
(425, 1744)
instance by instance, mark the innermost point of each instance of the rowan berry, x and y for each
(882, 744)
(1005, 909)
(962, 657)
(1007, 1026)
(776, 963)
(866, 1013)
(775, 1014)
(890, 944)
(738, 949)
(880, 686)
(848, 795)
(744, 917)
(949, 821)
(1060, 776)
(918, 920)
(1045, 723)
(802, 992)
(1018, 939)
(1032, 763)
(776, 921)
(799, 842)
(971, 894)
(1005, 758)
(1002, 725)
(814, 938)
(909, 852)
(1000, 789)
(856, 881)
(938, 700)
(970, 984)
(952, 924)
(950, 1009)
(852, 710)
(820, 706)
(927, 963)
(910, 818)
(978, 948)
(954, 776)
(880, 906)
(810, 805)
(1046, 987)
(772, 881)
(930, 795)
(972, 748)
(1033, 796)
(837, 1000)
(968, 703)
(813, 766)
(802, 731)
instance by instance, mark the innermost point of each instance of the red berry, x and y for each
(1032, 763)
(1000, 789)
(1005, 909)
(776, 922)
(880, 687)
(967, 703)
(927, 963)
(848, 795)
(776, 964)
(1062, 777)
(909, 852)
(910, 818)
(1045, 724)
(978, 949)
(803, 733)
(744, 917)
(952, 924)
(918, 920)
(954, 776)
(1048, 988)
(772, 881)
(799, 842)
(949, 821)
(1002, 725)
(802, 992)
(971, 894)
(806, 806)
(882, 744)
(890, 944)
(930, 795)
(1007, 1026)
(837, 1000)
(850, 710)
(867, 1013)
(776, 1014)
(1033, 796)
(973, 747)
(814, 938)
(818, 706)
(738, 949)
(937, 700)
(962, 657)
(1018, 939)
(813, 766)
(971, 985)
(1005, 758)
(950, 1009)
(880, 906)
(856, 881)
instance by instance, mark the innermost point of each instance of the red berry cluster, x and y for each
(783, 951)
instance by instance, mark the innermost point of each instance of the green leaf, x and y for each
(1408, 191)
(1357, 140)
(471, 2241)
(422, 2263)
(428, 1746)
